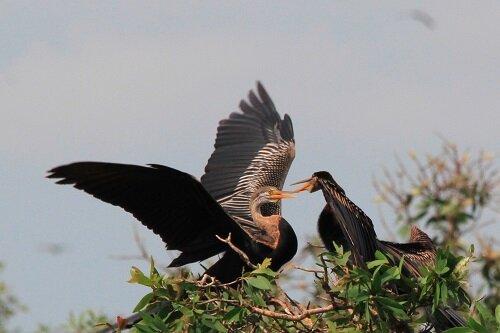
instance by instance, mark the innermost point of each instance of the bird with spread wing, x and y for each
(239, 194)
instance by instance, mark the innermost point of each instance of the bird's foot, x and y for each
(206, 280)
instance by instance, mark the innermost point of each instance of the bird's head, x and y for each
(310, 185)
(315, 182)
(269, 194)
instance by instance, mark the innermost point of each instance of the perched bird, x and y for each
(239, 194)
(346, 224)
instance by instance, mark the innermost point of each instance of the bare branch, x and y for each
(309, 270)
(298, 317)
(242, 254)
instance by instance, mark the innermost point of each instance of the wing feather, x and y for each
(171, 203)
(356, 226)
(253, 148)
(357, 232)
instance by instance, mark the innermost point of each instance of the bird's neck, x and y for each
(255, 209)
(268, 224)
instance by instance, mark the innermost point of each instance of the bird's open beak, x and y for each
(308, 185)
(277, 195)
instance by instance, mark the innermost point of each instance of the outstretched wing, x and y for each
(355, 224)
(253, 148)
(170, 202)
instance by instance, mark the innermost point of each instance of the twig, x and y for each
(220, 300)
(298, 317)
(242, 254)
(287, 297)
(283, 304)
(309, 270)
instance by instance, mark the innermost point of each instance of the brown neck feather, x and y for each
(270, 228)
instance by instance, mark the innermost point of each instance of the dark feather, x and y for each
(357, 228)
(346, 224)
(171, 203)
(253, 148)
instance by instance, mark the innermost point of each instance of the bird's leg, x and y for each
(203, 282)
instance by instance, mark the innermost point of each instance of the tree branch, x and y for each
(242, 254)
(298, 317)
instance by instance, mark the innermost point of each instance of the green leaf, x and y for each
(401, 263)
(361, 297)
(380, 256)
(376, 263)
(265, 271)
(392, 306)
(476, 326)
(380, 259)
(484, 312)
(459, 330)
(265, 263)
(437, 296)
(142, 303)
(219, 327)
(259, 282)
(235, 314)
(213, 323)
(138, 277)
(152, 269)
(338, 248)
(143, 328)
(392, 273)
(441, 267)
(146, 317)
(179, 326)
(497, 313)
(444, 292)
(376, 280)
(368, 315)
(332, 326)
(159, 324)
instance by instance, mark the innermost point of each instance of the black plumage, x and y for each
(345, 223)
(242, 179)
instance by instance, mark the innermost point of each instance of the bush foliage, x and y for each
(350, 299)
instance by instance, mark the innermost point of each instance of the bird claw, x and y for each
(203, 282)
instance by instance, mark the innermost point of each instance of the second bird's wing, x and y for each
(419, 252)
(356, 226)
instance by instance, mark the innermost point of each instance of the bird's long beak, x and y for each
(308, 185)
(282, 195)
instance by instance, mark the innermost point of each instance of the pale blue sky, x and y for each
(138, 82)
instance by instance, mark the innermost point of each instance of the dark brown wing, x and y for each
(170, 202)
(419, 252)
(345, 223)
(329, 230)
(355, 224)
(253, 148)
